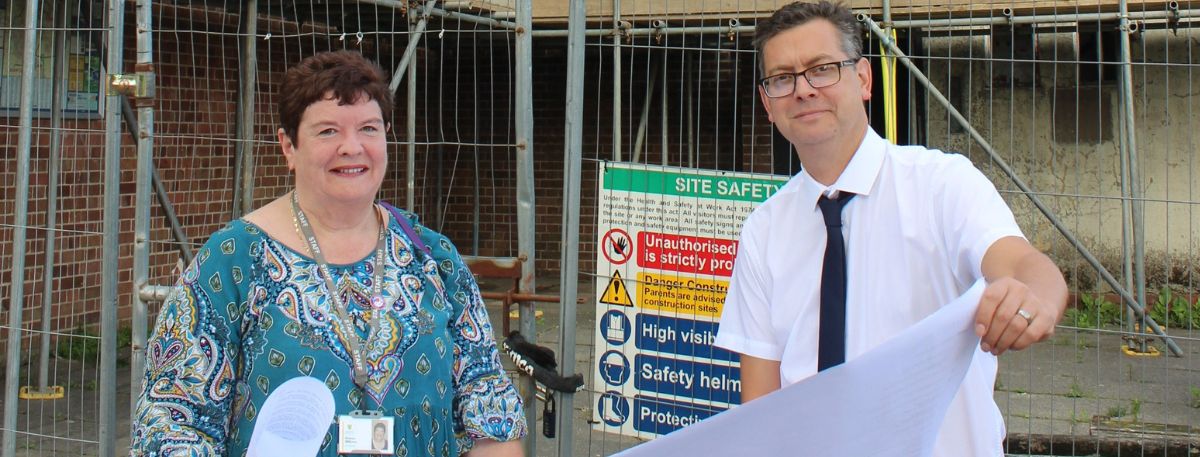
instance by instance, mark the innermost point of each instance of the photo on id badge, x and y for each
(365, 435)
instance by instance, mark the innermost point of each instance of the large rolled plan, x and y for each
(888, 402)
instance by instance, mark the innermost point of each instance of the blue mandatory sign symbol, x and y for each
(614, 326)
(614, 368)
(613, 408)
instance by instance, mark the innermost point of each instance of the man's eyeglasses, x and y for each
(818, 76)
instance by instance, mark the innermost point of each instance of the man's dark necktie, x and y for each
(831, 344)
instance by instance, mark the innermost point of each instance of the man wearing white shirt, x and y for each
(869, 238)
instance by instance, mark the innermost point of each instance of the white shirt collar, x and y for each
(859, 176)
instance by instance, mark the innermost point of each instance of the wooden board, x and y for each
(548, 12)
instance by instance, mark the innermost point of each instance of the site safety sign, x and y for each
(666, 242)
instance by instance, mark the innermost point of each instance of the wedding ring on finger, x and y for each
(1026, 314)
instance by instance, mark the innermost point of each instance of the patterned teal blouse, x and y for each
(250, 313)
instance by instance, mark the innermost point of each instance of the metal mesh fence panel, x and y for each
(1040, 83)
(1101, 137)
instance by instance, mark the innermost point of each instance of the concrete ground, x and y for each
(1072, 395)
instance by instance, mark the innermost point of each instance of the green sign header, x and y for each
(652, 181)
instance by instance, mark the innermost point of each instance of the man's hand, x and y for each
(1011, 316)
(1024, 299)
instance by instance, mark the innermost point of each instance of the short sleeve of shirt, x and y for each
(746, 318)
(973, 216)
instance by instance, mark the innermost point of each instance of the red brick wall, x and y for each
(464, 133)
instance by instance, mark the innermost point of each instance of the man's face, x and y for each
(380, 434)
(808, 116)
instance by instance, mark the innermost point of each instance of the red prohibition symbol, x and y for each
(617, 246)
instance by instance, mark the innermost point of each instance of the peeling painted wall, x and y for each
(1062, 137)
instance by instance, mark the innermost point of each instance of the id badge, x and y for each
(366, 432)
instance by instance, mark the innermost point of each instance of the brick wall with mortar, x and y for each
(464, 130)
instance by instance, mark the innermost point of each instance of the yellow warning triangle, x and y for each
(616, 293)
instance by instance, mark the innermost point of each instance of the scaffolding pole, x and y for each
(1130, 301)
(243, 190)
(410, 128)
(56, 113)
(495, 23)
(618, 99)
(1008, 18)
(1177, 13)
(572, 176)
(414, 38)
(110, 266)
(526, 211)
(640, 139)
(145, 184)
(1135, 182)
(689, 83)
(666, 114)
(443, 13)
(160, 191)
(16, 308)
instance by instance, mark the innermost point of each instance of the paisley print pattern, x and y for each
(250, 313)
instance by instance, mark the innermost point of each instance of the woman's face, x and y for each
(340, 153)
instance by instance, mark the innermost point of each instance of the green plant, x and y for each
(1191, 311)
(1161, 307)
(1094, 311)
(1076, 391)
(1195, 397)
(1132, 412)
(1108, 313)
(1076, 317)
(84, 343)
(1175, 311)
(1116, 411)
(81, 344)
(124, 337)
(1081, 418)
